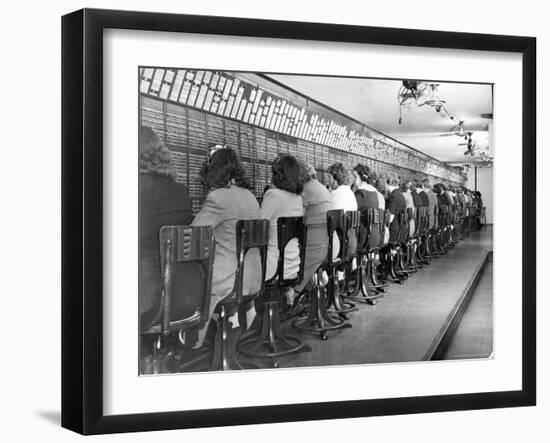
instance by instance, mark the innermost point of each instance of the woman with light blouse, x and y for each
(283, 200)
(229, 199)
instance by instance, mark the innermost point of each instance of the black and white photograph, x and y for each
(272, 222)
(291, 221)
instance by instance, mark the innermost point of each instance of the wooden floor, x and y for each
(474, 335)
(404, 323)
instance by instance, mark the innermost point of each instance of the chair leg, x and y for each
(164, 357)
(318, 319)
(403, 254)
(334, 299)
(270, 341)
(391, 264)
(430, 245)
(351, 291)
(437, 243)
(365, 274)
(156, 348)
(421, 255)
(224, 356)
(371, 288)
(371, 274)
(412, 264)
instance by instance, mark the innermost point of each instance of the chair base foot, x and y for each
(270, 342)
(319, 320)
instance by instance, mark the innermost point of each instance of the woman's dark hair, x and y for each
(338, 172)
(287, 174)
(363, 171)
(372, 178)
(222, 167)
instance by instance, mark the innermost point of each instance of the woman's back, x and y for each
(316, 202)
(278, 203)
(221, 209)
(162, 202)
(367, 200)
(343, 198)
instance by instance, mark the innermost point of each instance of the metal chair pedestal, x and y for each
(367, 288)
(319, 320)
(270, 341)
(337, 224)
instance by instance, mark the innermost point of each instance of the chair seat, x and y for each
(289, 281)
(186, 310)
(230, 305)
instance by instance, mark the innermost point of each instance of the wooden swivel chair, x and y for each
(250, 235)
(444, 227)
(439, 231)
(378, 220)
(337, 224)
(184, 251)
(420, 222)
(410, 246)
(423, 249)
(436, 248)
(393, 253)
(269, 341)
(453, 223)
(403, 251)
(367, 288)
(320, 319)
(354, 246)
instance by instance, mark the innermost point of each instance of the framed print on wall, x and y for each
(191, 145)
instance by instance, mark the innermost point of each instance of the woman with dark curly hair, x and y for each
(223, 169)
(162, 202)
(283, 200)
(227, 201)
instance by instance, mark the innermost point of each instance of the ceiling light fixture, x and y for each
(420, 93)
(431, 97)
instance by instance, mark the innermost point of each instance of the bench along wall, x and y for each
(191, 110)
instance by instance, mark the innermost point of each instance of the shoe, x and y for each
(296, 309)
(290, 311)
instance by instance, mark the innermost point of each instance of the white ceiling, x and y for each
(374, 103)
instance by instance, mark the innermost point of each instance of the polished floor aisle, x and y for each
(405, 322)
(474, 335)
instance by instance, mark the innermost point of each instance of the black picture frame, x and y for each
(82, 218)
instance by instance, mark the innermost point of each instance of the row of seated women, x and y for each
(295, 191)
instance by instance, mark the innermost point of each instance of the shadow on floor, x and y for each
(54, 417)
